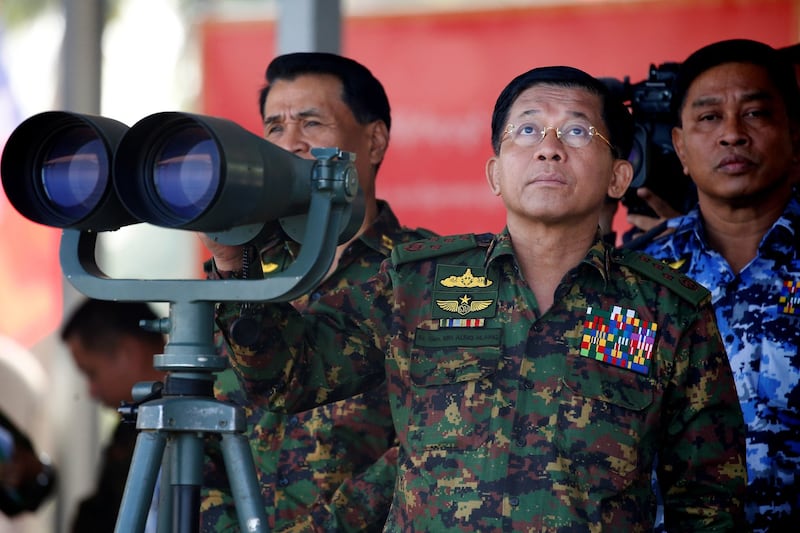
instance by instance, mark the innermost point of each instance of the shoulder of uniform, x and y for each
(642, 241)
(435, 246)
(662, 273)
(424, 233)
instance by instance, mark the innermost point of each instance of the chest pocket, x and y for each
(454, 398)
(604, 417)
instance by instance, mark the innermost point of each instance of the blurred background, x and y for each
(442, 62)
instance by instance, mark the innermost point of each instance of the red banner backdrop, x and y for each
(30, 277)
(443, 73)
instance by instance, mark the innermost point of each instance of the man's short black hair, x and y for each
(361, 91)
(779, 70)
(615, 114)
(98, 324)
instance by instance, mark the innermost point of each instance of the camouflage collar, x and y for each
(780, 241)
(379, 236)
(783, 238)
(598, 257)
(383, 231)
(500, 246)
(689, 231)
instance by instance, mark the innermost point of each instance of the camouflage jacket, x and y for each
(758, 314)
(344, 451)
(510, 419)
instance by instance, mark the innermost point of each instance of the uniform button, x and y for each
(283, 481)
(528, 385)
(514, 501)
(538, 327)
(315, 296)
(293, 421)
(521, 442)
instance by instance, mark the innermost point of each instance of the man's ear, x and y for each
(492, 175)
(621, 177)
(378, 141)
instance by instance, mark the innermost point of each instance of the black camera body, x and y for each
(655, 164)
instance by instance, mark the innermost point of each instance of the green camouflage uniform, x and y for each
(517, 421)
(302, 459)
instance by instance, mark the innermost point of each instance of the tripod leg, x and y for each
(244, 484)
(141, 482)
(186, 457)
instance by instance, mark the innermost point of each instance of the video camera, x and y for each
(655, 164)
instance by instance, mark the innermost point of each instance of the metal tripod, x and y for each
(173, 429)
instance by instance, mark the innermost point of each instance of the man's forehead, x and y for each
(722, 75)
(746, 80)
(304, 96)
(543, 98)
(293, 113)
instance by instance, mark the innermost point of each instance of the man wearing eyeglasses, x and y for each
(535, 376)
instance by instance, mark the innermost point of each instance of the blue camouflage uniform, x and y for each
(758, 314)
(331, 468)
(511, 419)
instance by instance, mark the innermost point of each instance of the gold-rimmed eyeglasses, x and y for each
(575, 134)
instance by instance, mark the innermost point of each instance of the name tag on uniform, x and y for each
(463, 297)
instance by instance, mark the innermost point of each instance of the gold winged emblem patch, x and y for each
(466, 281)
(464, 305)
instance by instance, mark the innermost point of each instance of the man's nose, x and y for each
(550, 147)
(734, 131)
(293, 140)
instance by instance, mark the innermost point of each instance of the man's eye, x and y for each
(575, 130)
(273, 129)
(528, 129)
(759, 113)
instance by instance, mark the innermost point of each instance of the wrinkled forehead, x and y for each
(319, 91)
(548, 101)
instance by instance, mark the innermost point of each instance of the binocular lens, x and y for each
(186, 173)
(74, 172)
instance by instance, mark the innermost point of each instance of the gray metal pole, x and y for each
(309, 26)
(81, 60)
(78, 89)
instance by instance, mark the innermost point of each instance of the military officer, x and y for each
(535, 376)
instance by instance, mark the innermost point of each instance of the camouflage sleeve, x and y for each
(701, 466)
(301, 361)
(360, 505)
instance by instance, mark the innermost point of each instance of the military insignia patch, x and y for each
(678, 264)
(461, 322)
(269, 268)
(463, 296)
(789, 297)
(464, 305)
(467, 280)
(619, 338)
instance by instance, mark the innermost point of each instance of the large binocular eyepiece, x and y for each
(171, 169)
